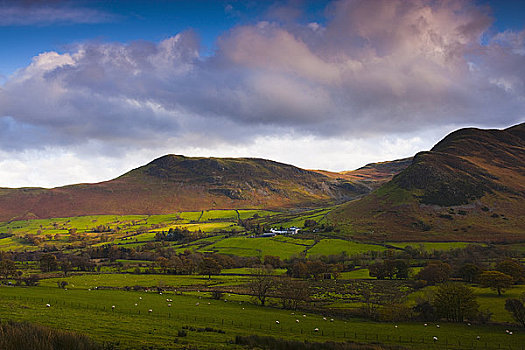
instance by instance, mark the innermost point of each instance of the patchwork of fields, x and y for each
(121, 305)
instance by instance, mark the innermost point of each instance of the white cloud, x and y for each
(376, 76)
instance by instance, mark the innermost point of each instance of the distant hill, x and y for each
(470, 186)
(177, 183)
(372, 175)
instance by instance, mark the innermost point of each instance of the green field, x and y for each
(338, 246)
(131, 323)
(245, 246)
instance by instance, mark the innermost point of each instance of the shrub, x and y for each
(24, 335)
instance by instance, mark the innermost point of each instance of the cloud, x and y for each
(46, 13)
(372, 68)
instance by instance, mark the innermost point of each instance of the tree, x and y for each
(512, 268)
(470, 272)
(381, 270)
(292, 292)
(7, 268)
(495, 280)
(163, 263)
(435, 272)
(273, 261)
(48, 262)
(262, 283)
(209, 266)
(516, 308)
(389, 269)
(455, 302)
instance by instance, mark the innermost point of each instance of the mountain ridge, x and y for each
(469, 186)
(178, 183)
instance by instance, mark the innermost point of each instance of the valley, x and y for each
(210, 253)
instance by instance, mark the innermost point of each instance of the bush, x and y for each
(24, 335)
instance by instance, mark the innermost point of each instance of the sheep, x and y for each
(277, 322)
(169, 305)
(437, 326)
(435, 338)
(331, 320)
(150, 310)
(425, 325)
(48, 305)
(297, 321)
(478, 337)
(113, 307)
(316, 330)
(324, 318)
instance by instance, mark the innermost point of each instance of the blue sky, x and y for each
(318, 84)
(126, 21)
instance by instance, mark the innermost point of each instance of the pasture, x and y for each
(132, 324)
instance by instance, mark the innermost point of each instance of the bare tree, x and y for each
(262, 283)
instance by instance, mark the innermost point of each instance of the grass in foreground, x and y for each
(134, 326)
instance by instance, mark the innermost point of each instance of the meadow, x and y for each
(213, 324)
(210, 323)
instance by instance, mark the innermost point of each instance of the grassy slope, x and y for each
(471, 186)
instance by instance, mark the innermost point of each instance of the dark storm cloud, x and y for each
(375, 67)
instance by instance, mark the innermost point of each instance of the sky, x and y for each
(92, 89)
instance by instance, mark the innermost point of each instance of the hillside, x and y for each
(372, 175)
(469, 186)
(177, 183)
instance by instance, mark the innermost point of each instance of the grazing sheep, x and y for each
(478, 337)
(169, 305)
(435, 338)
(150, 310)
(332, 320)
(437, 326)
(277, 322)
(316, 330)
(297, 321)
(113, 307)
(324, 318)
(425, 325)
(48, 305)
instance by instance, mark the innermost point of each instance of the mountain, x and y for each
(372, 175)
(469, 186)
(177, 183)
